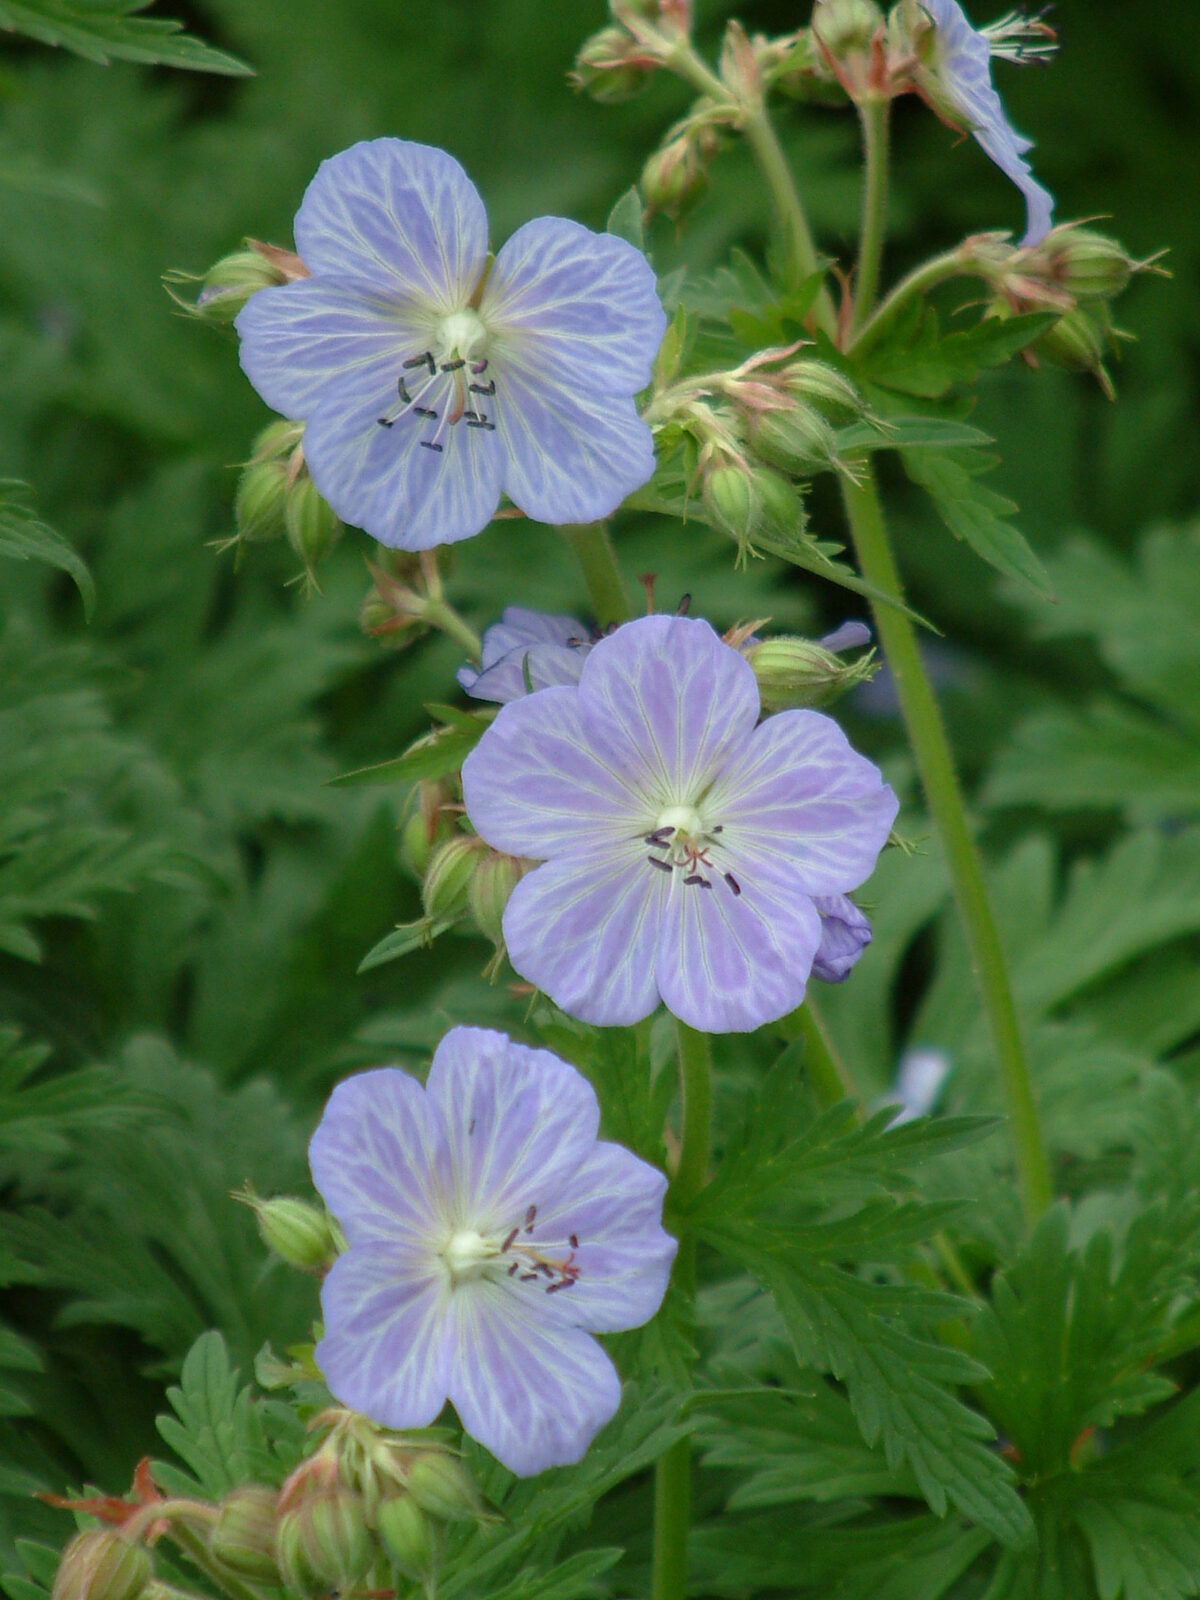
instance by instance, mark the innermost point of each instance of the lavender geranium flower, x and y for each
(845, 934)
(683, 844)
(961, 85)
(429, 381)
(533, 645)
(490, 1235)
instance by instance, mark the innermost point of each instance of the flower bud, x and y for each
(674, 178)
(448, 876)
(243, 1536)
(403, 1530)
(825, 388)
(278, 441)
(323, 1542)
(844, 26)
(491, 884)
(1079, 341)
(296, 1231)
(313, 527)
(799, 441)
(609, 68)
(743, 502)
(101, 1565)
(230, 282)
(1087, 265)
(258, 506)
(799, 672)
(442, 1486)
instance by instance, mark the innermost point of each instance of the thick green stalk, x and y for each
(673, 1472)
(938, 269)
(874, 115)
(446, 620)
(931, 748)
(597, 559)
(827, 1073)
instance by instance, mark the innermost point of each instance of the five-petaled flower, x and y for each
(490, 1235)
(430, 380)
(960, 83)
(526, 650)
(683, 844)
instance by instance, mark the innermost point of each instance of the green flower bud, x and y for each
(674, 178)
(404, 1532)
(846, 25)
(313, 527)
(448, 876)
(799, 441)
(324, 1543)
(258, 506)
(780, 507)
(277, 441)
(230, 282)
(731, 501)
(1088, 265)
(488, 891)
(243, 1536)
(1079, 341)
(609, 69)
(798, 672)
(101, 1565)
(297, 1231)
(826, 388)
(442, 1486)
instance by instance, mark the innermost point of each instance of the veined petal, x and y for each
(299, 336)
(385, 480)
(520, 626)
(669, 702)
(582, 304)
(801, 794)
(517, 1123)
(584, 928)
(729, 963)
(373, 1157)
(572, 457)
(386, 1351)
(534, 787)
(613, 1206)
(401, 217)
(536, 1394)
(545, 666)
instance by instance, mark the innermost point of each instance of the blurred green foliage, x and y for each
(183, 904)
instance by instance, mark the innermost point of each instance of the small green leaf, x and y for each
(913, 357)
(625, 219)
(977, 515)
(906, 433)
(104, 30)
(24, 536)
(434, 756)
(402, 941)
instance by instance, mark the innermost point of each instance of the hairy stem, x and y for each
(828, 1075)
(938, 269)
(446, 620)
(875, 116)
(935, 763)
(673, 1471)
(597, 559)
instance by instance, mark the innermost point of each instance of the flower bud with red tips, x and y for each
(102, 1565)
(611, 67)
(674, 178)
(323, 1541)
(244, 1534)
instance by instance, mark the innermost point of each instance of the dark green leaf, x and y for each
(104, 30)
(26, 537)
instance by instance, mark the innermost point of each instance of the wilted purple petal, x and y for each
(382, 1354)
(584, 929)
(846, 636)
(801, 792)
(845, 934)
(373, 1156)
(580, 303)
(401, 217)
(534, 787)
(536, 1395)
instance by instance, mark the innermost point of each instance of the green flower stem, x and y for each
(673, 1472)
(194, 1547)
(594, 551)
(931, 273)
(827, 1073)
(446, 620)
(875, 116)
(930, 746)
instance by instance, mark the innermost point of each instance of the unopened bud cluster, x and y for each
(617, 62)
(102, 1565)
(463, 876)
(277, 497)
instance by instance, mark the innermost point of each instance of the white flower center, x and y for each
(461, 335)
(681, 820)
(686, 840)
(467, 1254)
(446, 384)
(548, 1263)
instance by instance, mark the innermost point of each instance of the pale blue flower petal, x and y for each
(801, 793)
(400, 217)
(523, 671)
(517, 1123)
(613, 1206)
(845, 934)
(572, 457)
(386, 481)
(730, 963)
(534, 787)
(298, 337)
(584, 929)
(385, 1352)
(668, 701)
(373, 1156)
(534, 1393)
(581, 304)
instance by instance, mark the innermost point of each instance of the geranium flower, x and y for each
(490, 1235)
(683, 844)
(845, 934)
(526, 650)
(429, 382)
(960, 83)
